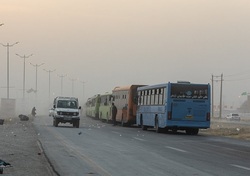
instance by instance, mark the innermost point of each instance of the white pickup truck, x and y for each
(66, 110)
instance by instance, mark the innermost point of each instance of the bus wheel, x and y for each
(143, 127)
(157, 128)
(192, 131)
(174, 130)
(195, 131)
(77, 124)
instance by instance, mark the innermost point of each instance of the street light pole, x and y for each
(24, 57)
(72, 85)
(36, 65)
(62, 76)
(8, 66)
(49, 71)
(82, 90)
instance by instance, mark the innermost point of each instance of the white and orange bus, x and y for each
(125, 99)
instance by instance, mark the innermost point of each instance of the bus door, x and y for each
(187, 110)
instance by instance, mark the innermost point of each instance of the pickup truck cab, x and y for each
(66, 110)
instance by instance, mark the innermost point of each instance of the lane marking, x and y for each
(241, 167)
(115, 132)
(226, 148)
(176, 149)
(139, 139)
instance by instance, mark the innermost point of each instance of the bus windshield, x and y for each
(189, 91)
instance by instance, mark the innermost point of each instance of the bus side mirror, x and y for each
(54, 106)
(80, 107)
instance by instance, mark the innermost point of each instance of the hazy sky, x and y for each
(107, 43)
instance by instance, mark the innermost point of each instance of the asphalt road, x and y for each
(98, 148)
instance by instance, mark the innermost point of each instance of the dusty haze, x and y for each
(120, 42)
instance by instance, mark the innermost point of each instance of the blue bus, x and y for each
(174, 106)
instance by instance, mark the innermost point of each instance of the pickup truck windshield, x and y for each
(67, 104)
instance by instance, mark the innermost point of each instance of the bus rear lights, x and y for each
(208, 116)
(169, 115)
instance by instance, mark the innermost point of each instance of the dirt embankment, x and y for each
(19, 146)
(229, 129)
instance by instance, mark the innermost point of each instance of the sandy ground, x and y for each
(227, 129)
(19, 146)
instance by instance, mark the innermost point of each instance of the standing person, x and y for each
(114, 112)
(33, 111)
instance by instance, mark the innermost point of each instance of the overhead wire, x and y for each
(238, 74)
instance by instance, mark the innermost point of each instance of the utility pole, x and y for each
(24, 57)
(36, 65)
(49, 71)
(83, 83)
(212, 96)
(62, 76)
(73, 80)
(8, 67)
(221, 81)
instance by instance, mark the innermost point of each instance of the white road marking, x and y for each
(176, 149)
(139, 139)
(241, 167)
(116, 133)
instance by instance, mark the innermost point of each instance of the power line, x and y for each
(239, 74)
(237, 79)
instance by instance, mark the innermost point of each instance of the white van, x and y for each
(66, 110)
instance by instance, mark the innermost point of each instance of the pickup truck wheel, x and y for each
(77, 124)
(56, 123)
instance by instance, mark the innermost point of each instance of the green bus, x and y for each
(92, 106)
(105, 107)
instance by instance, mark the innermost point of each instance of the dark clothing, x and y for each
(33, 111)
(114, 112)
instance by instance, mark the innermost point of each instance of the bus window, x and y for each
(145, 98)
(142, 97)
(156, 96)
(148, 97)
(189, 91)
(152, 97)
(164, 90)
(160, 96)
